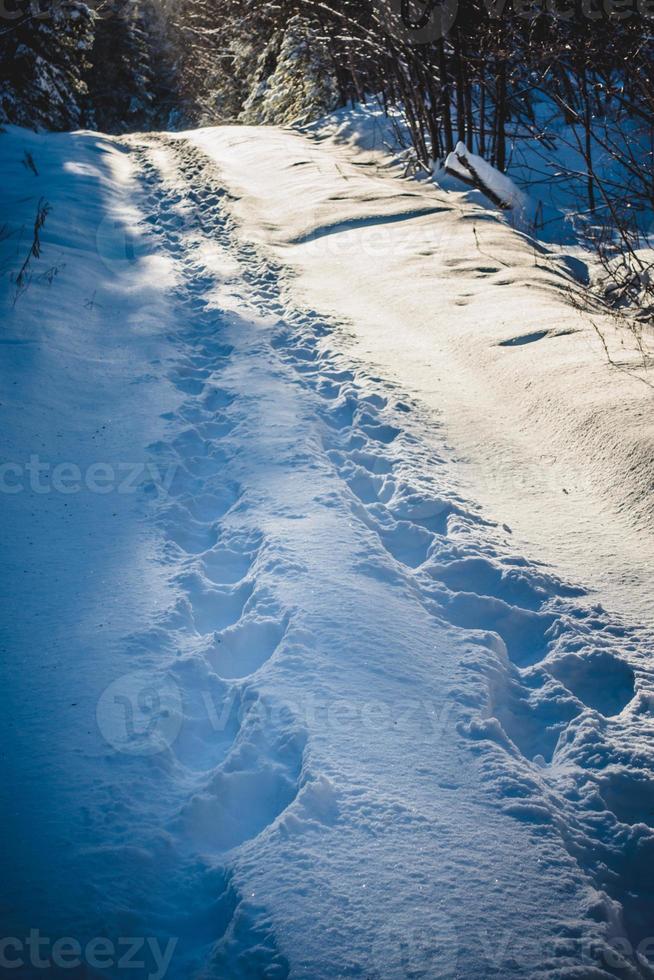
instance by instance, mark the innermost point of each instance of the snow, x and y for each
(477, 320)
(281, 689)
(472, 168)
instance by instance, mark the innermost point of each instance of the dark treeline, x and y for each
(68, 63)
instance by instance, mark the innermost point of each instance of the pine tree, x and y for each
(301, 86)
(122, 81)
(43, 58)
(252, 61)
(217, 47)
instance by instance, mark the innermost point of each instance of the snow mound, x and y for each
(477, 172)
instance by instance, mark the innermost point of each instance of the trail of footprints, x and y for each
(224, 630)
(558, 683)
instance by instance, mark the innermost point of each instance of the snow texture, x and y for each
(276, 686)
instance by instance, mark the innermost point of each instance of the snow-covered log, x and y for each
(478, 173)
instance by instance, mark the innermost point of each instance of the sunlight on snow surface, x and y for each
(284, 693)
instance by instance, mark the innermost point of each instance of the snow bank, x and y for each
(79, 408)
(480, 322)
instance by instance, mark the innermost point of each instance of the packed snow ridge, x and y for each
(292, 698)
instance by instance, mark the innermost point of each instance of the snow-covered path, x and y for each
(339, 728)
